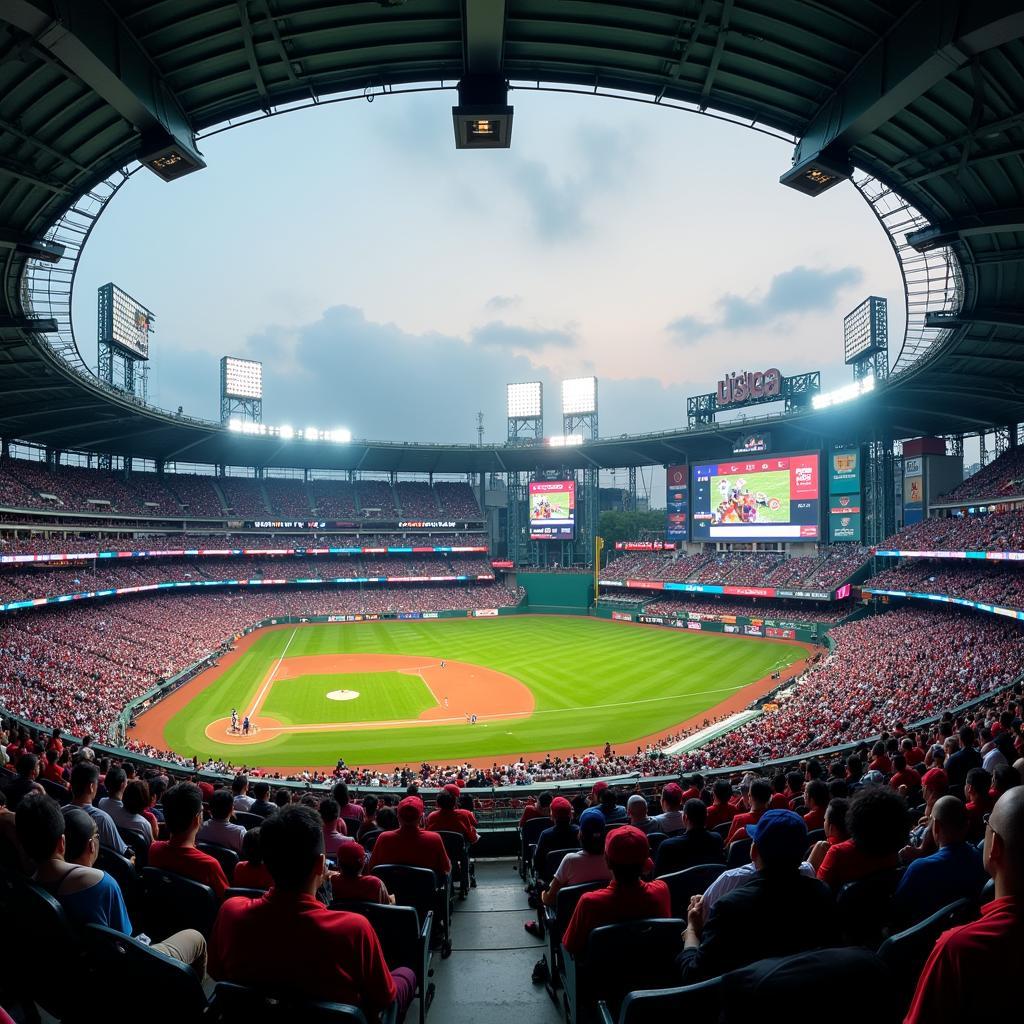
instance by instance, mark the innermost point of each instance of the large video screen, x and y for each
(552, 509)
(757, 499)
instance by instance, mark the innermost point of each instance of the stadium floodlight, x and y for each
(312, 434)
(483, 118)
(243, 378)
(565, 440)
(844, 394)
(579, 396)
(285, 432)
(340, 435)
(818, 172)
(524, 400)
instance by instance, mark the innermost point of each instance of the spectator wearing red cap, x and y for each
(409, 843)
(562, 835)
(671, 818)
(778, 911)
(759, 795)
(935, 784)
(971, 970)
(349, 882)
(626, 898)
(448, 818)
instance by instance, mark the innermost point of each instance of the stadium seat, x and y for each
(739, 853)
(557, 920)
(865, 906)
(816, 835)
(59, 793)
(552, 861)
(352, 825)
(700, 1002)
(138, 844)
(988, 891)
(529, 834)
(404, 940)
(654, 840)
(682, 885)
(238, 1004)
(458, 853)
(172, 902)
(122, 871)
(619, 959)
(249, 894)
(137, 975)
(370, 838)
(421, 889)
(906, 953)
(225, 856)
(247, 819)
(724, 829)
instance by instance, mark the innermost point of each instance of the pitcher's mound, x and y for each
(343, 695)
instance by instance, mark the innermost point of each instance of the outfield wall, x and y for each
(557, 593)
(741, 625)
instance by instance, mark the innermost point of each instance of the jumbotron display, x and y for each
(758, 499)
(552, 509)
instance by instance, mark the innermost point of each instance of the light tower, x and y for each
(241, 389)
(123, 329)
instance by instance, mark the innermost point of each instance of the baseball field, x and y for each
(402, 692)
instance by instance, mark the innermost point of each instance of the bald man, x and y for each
(953, 872)
(973, 971)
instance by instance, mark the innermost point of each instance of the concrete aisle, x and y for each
(486, 980)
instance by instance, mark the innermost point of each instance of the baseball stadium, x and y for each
(572, 724)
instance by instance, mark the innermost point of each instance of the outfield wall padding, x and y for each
(557, 593)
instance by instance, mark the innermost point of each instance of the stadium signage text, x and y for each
(645, 545)
(427, 524)
(736, 388)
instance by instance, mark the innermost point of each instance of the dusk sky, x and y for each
(393, 285)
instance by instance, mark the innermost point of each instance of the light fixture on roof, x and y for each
(483, 118)
(818, 173)
(167, 157)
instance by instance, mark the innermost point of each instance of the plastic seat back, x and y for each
(223, 855)
(682, 885)
(173, 902)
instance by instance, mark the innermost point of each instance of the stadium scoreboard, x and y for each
(124, 322)
(552, 509)
(772, 498)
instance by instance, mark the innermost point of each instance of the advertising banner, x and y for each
(642, 545)
(622, 616)
(784, 634)
(677, 503)
(482, 613)
(646, 584)
(844, 471)
(694, 625)
(552, 509)
(845, 518)
(730, 628)
(753, 631)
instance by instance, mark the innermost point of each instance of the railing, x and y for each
(932, 280)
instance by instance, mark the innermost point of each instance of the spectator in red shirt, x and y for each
(760, 795)
(979, 803)
(320, 953)
(410, 844)
(349, 882)
(794, 788)
(251, 872)
(626, 898)
(346, 809)
(780, 798)
(183, 813)
(540, 809)
(877, 821)
(447, 818)
(816, 795)
(880, 761)
(912, 752)
(721, 809)
(904, 776)
(969, 975)
(53, 771)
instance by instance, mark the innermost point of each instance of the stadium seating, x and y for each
(457, 500)
(1002, 477)
(999, 584)
(416, 499)
(996, 531)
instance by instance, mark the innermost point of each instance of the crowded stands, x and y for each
(1001, 583)
(1003, 477)
(996, 531)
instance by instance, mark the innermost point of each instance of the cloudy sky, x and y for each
(393, 285)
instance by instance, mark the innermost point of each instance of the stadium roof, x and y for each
(927, 97)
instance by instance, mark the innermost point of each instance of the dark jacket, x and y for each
(768, 916)
(697, 846)
(563, 836)
(264, 808)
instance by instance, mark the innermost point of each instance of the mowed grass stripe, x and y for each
(383, 697)
(570, 664)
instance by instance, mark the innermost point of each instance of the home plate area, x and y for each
(456, 691)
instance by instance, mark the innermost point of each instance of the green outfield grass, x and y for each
(593, 680)
(383, 697)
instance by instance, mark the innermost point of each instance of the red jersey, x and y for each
(190, 862)
(718, 814)
(969, 973)
(907, 778)
(55, 773)
(915, 755)
(324, 954)
(411, 846)
(815, 818)
(845, 863)
(778, 802)
(740, 823)
(452, 821)
(613, 904)
(533, 811)
(366, 888)
(252, 876)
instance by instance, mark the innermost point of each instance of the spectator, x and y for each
(562, 835)
(350, 883)
(116, 781)
(539, 808)
(777, 912)
(409, 843)
(721, 809)
(877, 822)
(816, 794)
(953, 872)
(335, 833)
(961, 762)
(626, 898)
(979, 802)
(671, 818)
(250, 871)
(260, 804)
(183, 811)
(971, 972)
(85, 777)
(27, 769)
(636, 810)
(52, 771)
(588, 864)
(369, 822)
(240, 789)
(220, 829)
(324, 954)
(614, 813)
(835, 831)
(136, 801)
(447, 818)
(760, 794)
(346, 808)
(695, 846)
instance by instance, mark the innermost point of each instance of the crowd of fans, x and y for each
(997, 531)
(767, 608)
(823, 571)
(1001, 478)
(33, 485)
(1000, 583)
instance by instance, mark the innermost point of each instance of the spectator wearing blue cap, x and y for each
(587, 864)
(778, 912)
